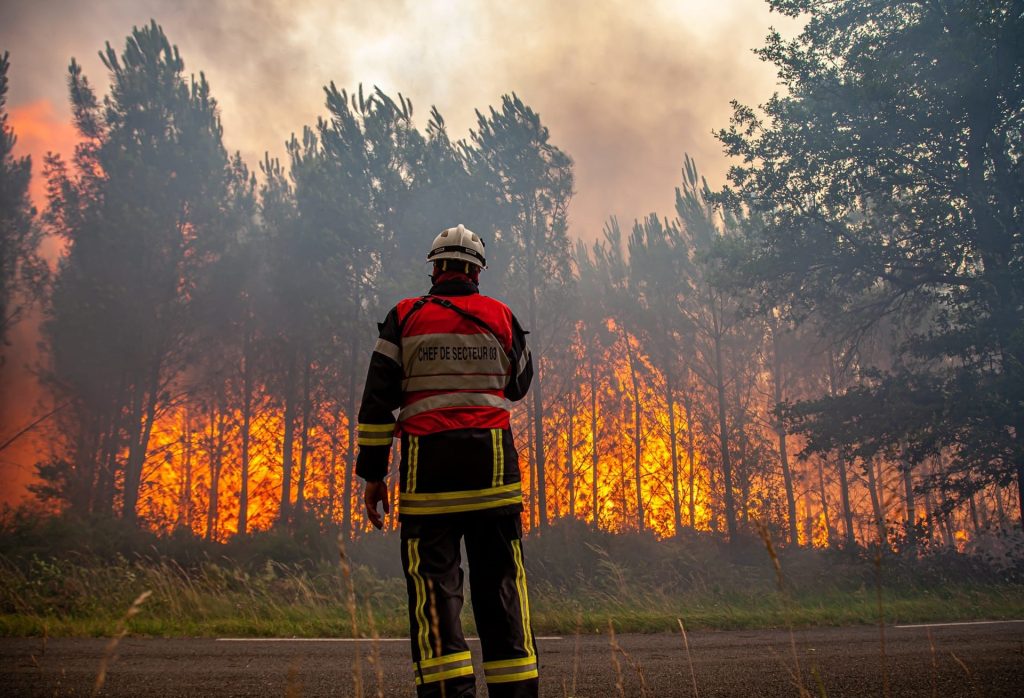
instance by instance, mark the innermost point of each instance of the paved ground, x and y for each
(967, 660)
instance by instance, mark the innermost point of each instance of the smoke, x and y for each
(626, 88)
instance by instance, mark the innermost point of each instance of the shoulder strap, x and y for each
(412, 311)
(445, 303)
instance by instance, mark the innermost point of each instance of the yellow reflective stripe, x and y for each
(457, 508)
(375, 434)
(442, 675)
(518, 676)
(499, 438)
(514, 487)
(524, 602)
(419, 608)
(466, 500)
(494, 453)
(413, 462)
(446, 659)
(526, 661)
(364, 441)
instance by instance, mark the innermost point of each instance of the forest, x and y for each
(830, 348)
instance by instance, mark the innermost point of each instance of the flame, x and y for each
(192, 477)
(39, 129)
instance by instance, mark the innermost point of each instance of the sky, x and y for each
(625, 87)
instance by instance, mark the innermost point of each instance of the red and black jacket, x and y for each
(451, 363)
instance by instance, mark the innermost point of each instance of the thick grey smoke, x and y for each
(625, 87)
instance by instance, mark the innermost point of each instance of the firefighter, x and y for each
(451, 362)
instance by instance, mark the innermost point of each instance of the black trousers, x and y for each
(431, 558)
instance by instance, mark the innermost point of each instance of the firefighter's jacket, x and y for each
(451, 363)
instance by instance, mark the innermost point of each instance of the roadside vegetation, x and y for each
(60, 577)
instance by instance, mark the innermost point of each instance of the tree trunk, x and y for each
(677, 513)
(908, 493)
(351, 412)
(287, 448)
(216, 463)
(637, 455)
(531, 437)
(593, 438)
(211, 500)
(690, 451)
(570, 450)
(139, 445)
(780, 432)
(532, 231)
(975, 521)
(723, 441)
(307, 410)
(929, 506)
(188, 471)
(844, 483)
(1020, 476)
(243, 494)
(538, 446)
(824, 499)
(743, 469)
(185, 493)
(876, 503)
(332, 476)
(1000, 510)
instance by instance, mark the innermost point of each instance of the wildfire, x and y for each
(609, 422)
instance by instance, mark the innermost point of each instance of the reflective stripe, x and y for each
(524, 662)
(413, 462)
(507, 670)
(453, 400)
(517, 675)
(524, 601)
(499, 457)
(466, 500)
(452, 352)
(390, 350)
(363, 441)
(522, 361)
(375, 434)
(473, 381)
(419, 606)
(446, 667)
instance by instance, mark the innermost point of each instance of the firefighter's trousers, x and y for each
(431, 557)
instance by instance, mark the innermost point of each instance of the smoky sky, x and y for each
(626, 88)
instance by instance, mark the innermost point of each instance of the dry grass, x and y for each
(111, 648)
(689, 658)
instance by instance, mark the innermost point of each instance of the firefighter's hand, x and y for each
(376, 492)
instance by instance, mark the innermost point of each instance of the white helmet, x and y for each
(458, 243)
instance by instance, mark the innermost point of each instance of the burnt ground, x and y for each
(953, 660)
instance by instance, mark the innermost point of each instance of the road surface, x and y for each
(949, 660)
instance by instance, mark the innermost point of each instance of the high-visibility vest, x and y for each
(454, 354)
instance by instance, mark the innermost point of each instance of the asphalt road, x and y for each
(954, 660)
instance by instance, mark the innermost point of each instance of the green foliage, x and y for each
(22, 272)
(144, 223)
(887, 180)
